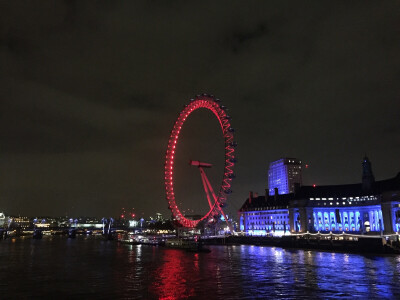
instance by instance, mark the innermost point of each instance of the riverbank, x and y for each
(329, 242)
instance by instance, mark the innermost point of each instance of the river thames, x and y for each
(90, 268)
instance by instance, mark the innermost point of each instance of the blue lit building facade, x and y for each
(283, 175)
(263, 215)
(368, 207)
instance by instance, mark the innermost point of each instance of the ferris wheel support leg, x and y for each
(203, 179)
(215, 200)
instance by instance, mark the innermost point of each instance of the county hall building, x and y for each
(368, 207)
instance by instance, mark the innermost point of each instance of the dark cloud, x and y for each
(90, 92)
(240, 40)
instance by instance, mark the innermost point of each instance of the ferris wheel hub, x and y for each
(200, 164)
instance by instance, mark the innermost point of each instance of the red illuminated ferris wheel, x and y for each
(217, 201)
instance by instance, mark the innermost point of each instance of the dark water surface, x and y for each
(91, 268)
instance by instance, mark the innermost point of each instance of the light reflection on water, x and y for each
(89, 267)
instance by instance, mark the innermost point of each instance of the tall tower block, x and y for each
(283, 174)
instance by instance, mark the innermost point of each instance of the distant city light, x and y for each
(133, 223)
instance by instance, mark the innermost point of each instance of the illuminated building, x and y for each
(283, 175)
(133, 223)
(2, 219)
(21, 222)
(369, 206)
(159, 217)
(262, 215)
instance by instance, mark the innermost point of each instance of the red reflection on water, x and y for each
(172, 278)
(196, 262)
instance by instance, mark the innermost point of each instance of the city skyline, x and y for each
(90, 93)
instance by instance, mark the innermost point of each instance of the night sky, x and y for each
(90, 91)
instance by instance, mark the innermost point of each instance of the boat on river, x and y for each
(190, 245)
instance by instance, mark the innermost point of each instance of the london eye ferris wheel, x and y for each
(215, 201)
